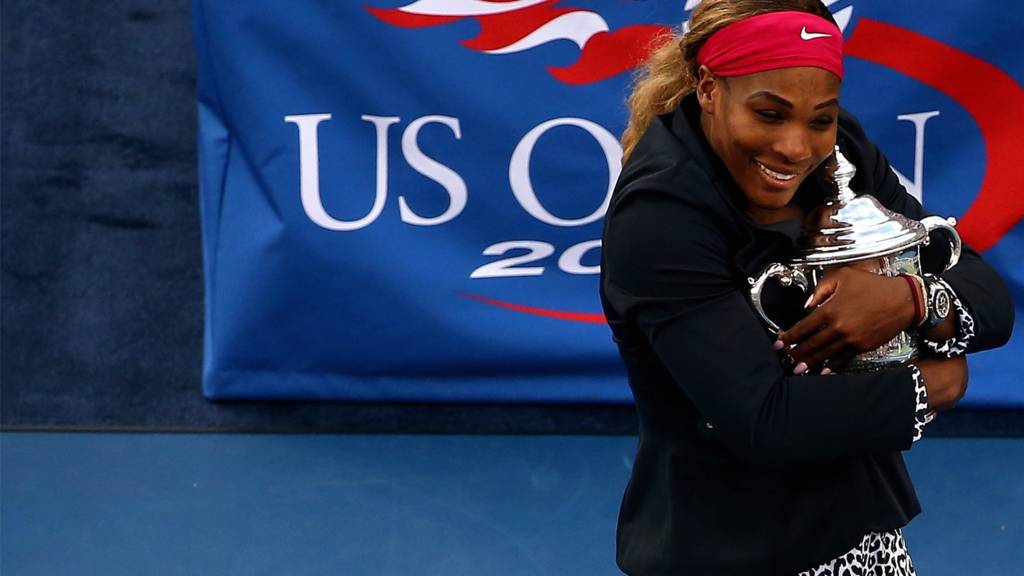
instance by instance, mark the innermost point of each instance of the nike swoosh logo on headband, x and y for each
(805, 35)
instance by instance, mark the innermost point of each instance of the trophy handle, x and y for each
(946, 225)
(787, 277)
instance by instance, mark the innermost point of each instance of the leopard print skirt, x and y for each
(883, 553)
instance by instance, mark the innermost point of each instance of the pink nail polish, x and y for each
(826, 371)
(800, 368)
(778, 345)
(808, 303)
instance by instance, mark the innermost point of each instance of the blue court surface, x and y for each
(224, 504)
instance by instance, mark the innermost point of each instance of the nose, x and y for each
(793, 144)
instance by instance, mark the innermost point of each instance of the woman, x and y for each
(744, 466)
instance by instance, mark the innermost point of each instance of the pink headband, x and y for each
(772, 41)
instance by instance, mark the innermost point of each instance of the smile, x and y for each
(773, 174)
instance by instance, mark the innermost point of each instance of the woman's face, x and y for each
(771, 129)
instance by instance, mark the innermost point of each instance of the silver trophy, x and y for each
(852, 230)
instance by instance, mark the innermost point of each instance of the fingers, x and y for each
(815, 349)
(825, 345)
(834, 357)
(830, 353)
(805, 328)
(823, 291)
(813, 322)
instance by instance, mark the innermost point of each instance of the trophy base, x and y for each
(899, 351)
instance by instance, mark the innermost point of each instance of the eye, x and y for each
(823, 122)
(769, 114)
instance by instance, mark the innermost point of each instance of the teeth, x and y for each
(774, 174)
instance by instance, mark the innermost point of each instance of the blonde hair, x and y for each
(671, 71)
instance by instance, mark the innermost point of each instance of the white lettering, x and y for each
(519, 170)
(309, 171)
(916, 186)
(443, 175)
(506, 267)
(571, 260)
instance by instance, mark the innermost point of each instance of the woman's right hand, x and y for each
(945, 379)
(856, 311)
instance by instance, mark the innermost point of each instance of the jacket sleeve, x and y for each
(668, 282)
(976, 284)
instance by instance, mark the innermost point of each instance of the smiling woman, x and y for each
(749, 463)
(771, 130)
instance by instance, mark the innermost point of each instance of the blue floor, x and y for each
(202, 504)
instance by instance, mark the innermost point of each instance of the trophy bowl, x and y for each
(852, 230)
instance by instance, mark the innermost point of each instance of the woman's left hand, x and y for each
(857, 311)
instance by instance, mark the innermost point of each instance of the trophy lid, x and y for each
(848, 227)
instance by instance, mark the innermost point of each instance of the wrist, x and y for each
(945, 381)
(916, 308)
(944, 331)
(953, 335)
(937, 301)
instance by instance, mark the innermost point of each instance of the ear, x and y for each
(707, 90)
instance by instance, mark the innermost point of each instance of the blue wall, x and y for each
(102, 296)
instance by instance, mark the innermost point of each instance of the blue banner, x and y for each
(402, 200)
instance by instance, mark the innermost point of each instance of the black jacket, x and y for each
(741, 468)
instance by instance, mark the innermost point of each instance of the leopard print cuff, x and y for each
(877, 553)
(922, 415)
(957, 345)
